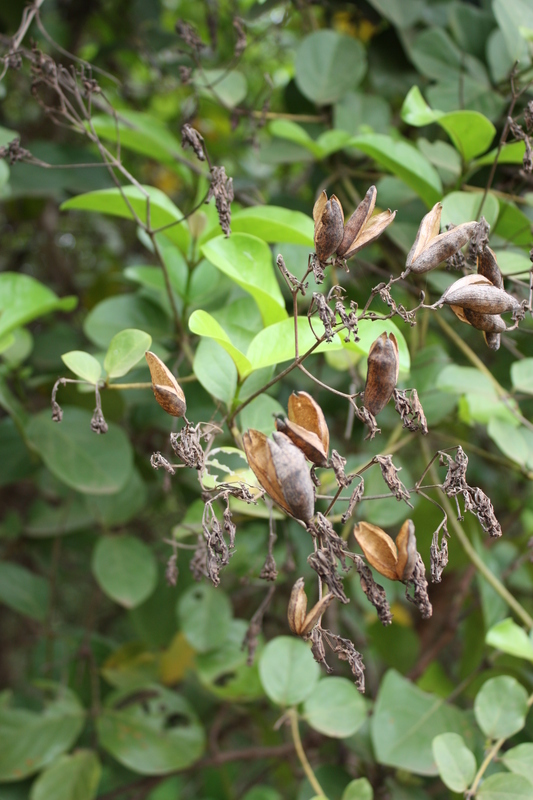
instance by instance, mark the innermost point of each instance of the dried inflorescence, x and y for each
(375, 593)
(221, 188)
(390, 476)
(409, 407)
(186, 445)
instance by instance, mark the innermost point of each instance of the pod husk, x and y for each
(382, 373)
(166, 388)
(441, 247)
(477, 293)
(359, 218)
(329, 225)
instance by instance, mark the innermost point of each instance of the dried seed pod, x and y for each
(382, 374)
(329, 225)
(301, 622)
(477, 293)
(430, 247)
(358, 220)
(167, 390)
(306, 427)
(371, 231)
(491, 323)
(407, 553)
(280, 468)
(492, 340)
(488, 267)
(394, 560)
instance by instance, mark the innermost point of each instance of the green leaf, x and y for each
(327, 65)
(230, 87)
(152, 731)
(204, 324)
(287, 129)
(405, 722)
(288, 671)
(125, 569)
(359, 789)
(30, 740)
(123, 202)
(357, 112)
(23, 591)
(458, 207)
(456, 763)
(513, 262)
(274, 224)
(215, 370)
(510, 638)
(505, 787)
(73, 453)
(260, 414)
(510, 154)
(519, 759)
(461, 380)
(404, 161)
(247, 260)
(275, 344)
(402, 13)
(205, 617)
(23, 299)
(511, 15)
(509, 439)
(435, 55)
(522, 375)
(225, 671)
(84, 365)
(513, 225)
(335, 708)
(115, 314)
(125, 350)
(73, 777)
(501, 707)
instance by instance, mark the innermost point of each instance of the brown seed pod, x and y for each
(488, 267)
(329, 225)
(167, 390)
(477, 293)
(492, 340)
(301, 622)
(430, 247)
(394, 560)
(358, 220)
(491, 323)
(407, 553)
(306, 427)
(382, 373)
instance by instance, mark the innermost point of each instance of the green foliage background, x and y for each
(117, 684)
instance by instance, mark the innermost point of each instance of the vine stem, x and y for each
(300, 752)
(474, 557)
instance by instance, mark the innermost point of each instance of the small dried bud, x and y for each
(362, 228)
(306, 427)
(430, 247)
(300, 622)
(477, 293)
(167, 390)
(329, 225)
(382, 375)
(190, 136)
(280, 468)
(394, 560)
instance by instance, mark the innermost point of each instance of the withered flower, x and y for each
(328, 217)
(280, 468)
(306, 427)
(301, 621)
(477, 293)
(362, 228)
(167, 390)
(430, 247)
(394, 560)
(382, 374)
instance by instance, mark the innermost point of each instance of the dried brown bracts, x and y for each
(301, 621)
(395, 560)
(382, 374)
(306, 427)
(167, 390)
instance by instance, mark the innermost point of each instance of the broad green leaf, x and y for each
(357, 112)
(125, 350)
(275, 344)
(288, 671)
(405, 722)
(203, 324)
(513, 262)
(148, 204)
(327, 65)
(78, 457)
(262, 793)
(458, 207)
(23, 591)
(152, 731)
(504, 786)
(225, 671)
(331, 141)
(260, 414)
(247, 260)
(510, 638)
(16, 346)
(335, 708)
(16, 462)
(435, 55)
(229, 87)
(83, 364)
(287, 129)
(463, 379)
(482, 408)
(445, 159)
(205, 616)
(125, 569)
(30, 740)
(512, 153)
(519, 759)
(23, 299)
(513, 225)
(72, 777)
(215, 370)
(501, 707)
(275, 224)
(456, 763)
(404, 161)
(359, 789)
(415, 111)
(511, 15)
(7, 135)
(402, 13)
(115, 314)
(509, 439)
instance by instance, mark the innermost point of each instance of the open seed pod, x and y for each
(301, 622)
(329, 225)
(491, 323)
(167, 390)
(280, 468)
(382, 373)
(306, 427)
(394, 560)
(488, 267)
(477, 293)
(362, 228)
(430, 247)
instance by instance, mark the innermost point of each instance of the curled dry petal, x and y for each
(306, 427)
(396, 561)
(372, 230)
(301, 622)
(382, 374)
(280, 468)
(477, 293)
(167, 390)
(430, 247)
(329, 225)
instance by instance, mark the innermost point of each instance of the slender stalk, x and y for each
(300, 752)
